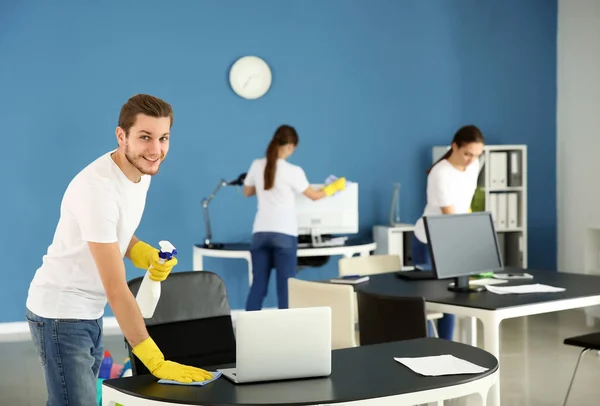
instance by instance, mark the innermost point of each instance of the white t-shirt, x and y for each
(277, 206)
(100, 205)
(448, 186)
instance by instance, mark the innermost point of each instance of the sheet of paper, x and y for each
(439, 365)
(521, 289)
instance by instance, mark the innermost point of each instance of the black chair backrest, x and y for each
(383, 319)
(192, 322)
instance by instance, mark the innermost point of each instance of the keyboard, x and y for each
(415, 275)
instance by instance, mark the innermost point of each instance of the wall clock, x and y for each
(250, 77)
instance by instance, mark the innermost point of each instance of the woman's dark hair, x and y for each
(465, 135)
(284, 135)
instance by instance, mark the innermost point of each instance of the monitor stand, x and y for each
(317, 239)
(461, 284)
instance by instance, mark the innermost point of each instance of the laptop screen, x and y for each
(462, 244)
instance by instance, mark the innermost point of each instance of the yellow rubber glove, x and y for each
(143, 255)
(335, 186)
(147, 351)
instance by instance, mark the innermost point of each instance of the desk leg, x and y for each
(249, 259)
(198, 262)
(468, 331)
(491, 343)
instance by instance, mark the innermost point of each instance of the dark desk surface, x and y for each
(436, 291)
(242, 246)
(357, 373)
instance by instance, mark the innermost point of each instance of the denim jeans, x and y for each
(271, 250)
(70, 352)
(420, 254)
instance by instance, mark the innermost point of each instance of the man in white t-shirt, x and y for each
(83, 268)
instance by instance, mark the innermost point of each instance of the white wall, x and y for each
(578, 128)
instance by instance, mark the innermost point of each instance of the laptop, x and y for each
(280, 344)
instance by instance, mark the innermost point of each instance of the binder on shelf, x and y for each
(515, 170)
(502, 210)
(512, 210)
(498, 167)
(494, 208)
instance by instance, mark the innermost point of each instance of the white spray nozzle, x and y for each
(167, 251)
(166, 246)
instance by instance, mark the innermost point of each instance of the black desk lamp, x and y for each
(207, 240)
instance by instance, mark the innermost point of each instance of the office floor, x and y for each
(536, 366)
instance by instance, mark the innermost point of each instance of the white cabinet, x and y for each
(395, 240)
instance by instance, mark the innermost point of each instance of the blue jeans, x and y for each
(420, 254)
(70, 352)
(271, 250)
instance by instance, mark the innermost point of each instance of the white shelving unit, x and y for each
(503, 186)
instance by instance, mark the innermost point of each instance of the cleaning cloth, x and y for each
(333, 178)
(216, 375)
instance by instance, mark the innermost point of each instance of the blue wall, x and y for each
(370, 86)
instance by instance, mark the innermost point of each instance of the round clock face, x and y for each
(250, 77)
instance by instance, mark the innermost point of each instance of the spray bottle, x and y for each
(149, 292)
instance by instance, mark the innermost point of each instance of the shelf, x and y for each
(505, 189)
(501, 147)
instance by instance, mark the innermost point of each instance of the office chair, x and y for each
(192, 322)
(376, 264)
(587, 342)
(383, 319)
(340, 298)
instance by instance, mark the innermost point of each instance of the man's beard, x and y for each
(134, 161)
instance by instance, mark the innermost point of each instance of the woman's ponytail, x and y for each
(284, 135)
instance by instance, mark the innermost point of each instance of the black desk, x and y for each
(245, 246)
(242, 251)
(367, 373)
(435, 291)
(581, 291)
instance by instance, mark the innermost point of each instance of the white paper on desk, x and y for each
(521, 289)
(439, 365)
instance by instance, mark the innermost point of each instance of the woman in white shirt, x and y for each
(276, 182)
(451, 184)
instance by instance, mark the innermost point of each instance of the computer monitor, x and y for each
(337, 214)
(461, 245)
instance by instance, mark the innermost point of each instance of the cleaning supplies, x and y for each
(334, 185)
(106, 366)
(126, 368)
(149, 292)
